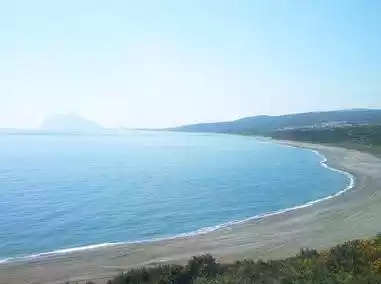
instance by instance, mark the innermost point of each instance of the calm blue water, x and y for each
(62, 191)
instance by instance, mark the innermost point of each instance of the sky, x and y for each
(164, 63)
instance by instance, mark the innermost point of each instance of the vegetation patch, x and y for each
(357, 261)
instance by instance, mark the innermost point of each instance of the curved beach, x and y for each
(349, 215)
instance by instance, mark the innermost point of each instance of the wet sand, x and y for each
(351, 215)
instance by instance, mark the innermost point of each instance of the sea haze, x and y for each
(70, 191)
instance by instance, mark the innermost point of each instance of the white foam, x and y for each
(201, 231)
(58, 252)
(4, 260)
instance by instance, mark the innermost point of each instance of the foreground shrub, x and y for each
(356, 261)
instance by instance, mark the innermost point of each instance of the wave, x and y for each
(57, 252)
(201, 231)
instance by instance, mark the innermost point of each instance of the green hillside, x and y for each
(353, 262)
(263, 125)
(361, 137)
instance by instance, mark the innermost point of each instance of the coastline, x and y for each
(205, 230)
(278, 235)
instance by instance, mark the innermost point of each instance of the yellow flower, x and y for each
(377, 265)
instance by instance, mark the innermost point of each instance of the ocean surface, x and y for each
(69, 192)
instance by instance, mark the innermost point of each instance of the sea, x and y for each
(61, 193)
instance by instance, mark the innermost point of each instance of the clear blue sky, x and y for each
(163, 63)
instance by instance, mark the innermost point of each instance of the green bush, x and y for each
(357, 261)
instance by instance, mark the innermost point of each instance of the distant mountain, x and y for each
(265, 124)
(69, 122)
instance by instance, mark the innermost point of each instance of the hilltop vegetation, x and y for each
(361, 137)
(264, 125)
(356, 261)
(359, 129)
(363, 134)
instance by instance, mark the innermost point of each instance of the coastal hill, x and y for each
(262, 125)
(69, 122)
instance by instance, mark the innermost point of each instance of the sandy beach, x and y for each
(348, 216)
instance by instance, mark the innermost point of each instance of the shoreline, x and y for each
(278, 235)
(201, 231)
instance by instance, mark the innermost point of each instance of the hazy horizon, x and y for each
(72, 114)
(161, 64)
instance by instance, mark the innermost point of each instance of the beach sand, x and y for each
(349, 216)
